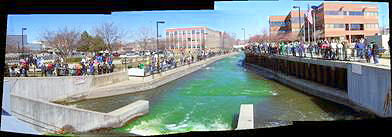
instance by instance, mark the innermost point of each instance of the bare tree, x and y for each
(64, 40)
(145, 37)
(110, 34)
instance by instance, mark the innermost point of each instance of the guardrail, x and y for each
(342, 54)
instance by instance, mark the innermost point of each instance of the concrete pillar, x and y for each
(325, 75)
(296, 69)
(332, 79)
(313, 72)
(301, 70)
(319, 73)
(307, 71)
(340, 78)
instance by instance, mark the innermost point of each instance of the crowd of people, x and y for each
(325, 49)
(170, 59)
(102, 63)
(99, 64)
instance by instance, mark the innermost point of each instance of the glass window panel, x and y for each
(356, 13)
(334, 13)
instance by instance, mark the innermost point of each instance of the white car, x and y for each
(130, 55)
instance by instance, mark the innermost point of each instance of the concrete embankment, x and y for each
(52, 88)
(30, 99)
(137, 84)
(357, 85)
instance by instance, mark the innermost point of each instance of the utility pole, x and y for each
(299, 13)
(308, 24)
(314, 22)
(158, 43)
(23, 39)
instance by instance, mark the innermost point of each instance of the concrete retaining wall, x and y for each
(48, 117)
(110, 78)
(368, 86)
(53, 88)
(308, 87)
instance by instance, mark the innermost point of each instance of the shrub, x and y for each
(73, 60)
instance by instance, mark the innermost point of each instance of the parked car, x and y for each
(116, 54)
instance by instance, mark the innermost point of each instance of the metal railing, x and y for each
(341, 54)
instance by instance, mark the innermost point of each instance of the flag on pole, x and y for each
(309, 16)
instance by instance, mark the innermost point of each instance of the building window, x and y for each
(296, 20)
(167, 33)
(334, 26)
(347, 26)
(278, 23)
(373, 26)
(175, 33)
(198, 32)
(356, 26)
(333, 13)
(202, 31)
(183, 32)
(189, 39)
(193, 31)
(369, 13)
(189, 32)
(283, 31)
(355, 13)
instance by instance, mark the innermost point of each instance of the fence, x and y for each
(342, 54)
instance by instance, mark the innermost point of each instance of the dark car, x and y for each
(116, 54)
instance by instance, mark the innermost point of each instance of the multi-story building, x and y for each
(195, 38)
(346, 21)
(333, 20)
(286, 27)
(16, 40)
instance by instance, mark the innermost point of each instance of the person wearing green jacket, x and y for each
(281, 50)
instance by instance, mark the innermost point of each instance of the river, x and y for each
(206, 100)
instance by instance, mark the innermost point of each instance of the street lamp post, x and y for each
(23, 39)
(158, 43)
(299, 13)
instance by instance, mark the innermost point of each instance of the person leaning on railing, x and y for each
(339, 50)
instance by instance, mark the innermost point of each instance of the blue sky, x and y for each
(227, 16)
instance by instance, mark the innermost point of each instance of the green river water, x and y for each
(206, 100)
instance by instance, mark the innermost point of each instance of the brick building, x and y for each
(286, 27)
(333, 20)
(196, 38)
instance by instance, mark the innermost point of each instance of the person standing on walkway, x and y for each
(368, 52)
(301, 49)
(333, 49)
(339, 50)
(360, 49)
(92, 70)
(375, 51)
(13, 72)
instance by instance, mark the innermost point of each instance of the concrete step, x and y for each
(246, 119)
